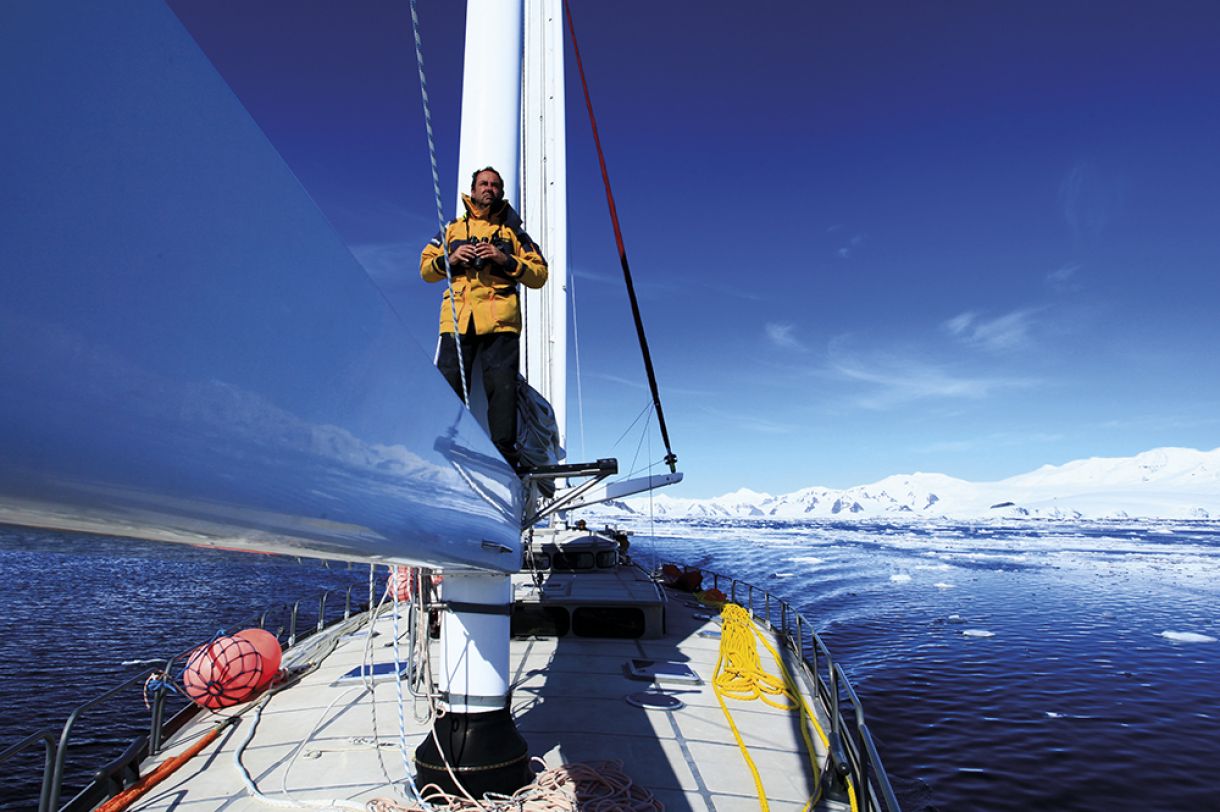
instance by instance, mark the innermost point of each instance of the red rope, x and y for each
(670, 458)
(162, 771)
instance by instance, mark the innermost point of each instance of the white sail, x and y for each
(189, 353)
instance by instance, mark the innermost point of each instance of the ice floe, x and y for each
(977, 633)
(900, 578)
(1188, 637)
(942, 585)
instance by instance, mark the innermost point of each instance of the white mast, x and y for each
(474, 676)
(491, 96)
(475, 667)
(544, 204)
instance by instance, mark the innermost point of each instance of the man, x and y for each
(489, 256)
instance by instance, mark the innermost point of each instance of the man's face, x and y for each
(488, 188)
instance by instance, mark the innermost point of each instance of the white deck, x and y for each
(569, 704)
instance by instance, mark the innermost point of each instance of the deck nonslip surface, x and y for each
(322, 740)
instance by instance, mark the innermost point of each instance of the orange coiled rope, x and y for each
(600, 786)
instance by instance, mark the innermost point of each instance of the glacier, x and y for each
(1163, 483)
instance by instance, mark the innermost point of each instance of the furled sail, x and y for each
(188, 351)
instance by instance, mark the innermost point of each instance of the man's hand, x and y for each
(489, 253)
(462, 255)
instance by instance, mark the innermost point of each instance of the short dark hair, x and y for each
(477, 172)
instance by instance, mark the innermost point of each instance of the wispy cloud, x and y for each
(992, 440)
(960, 323)
(894, 380)
(641, 384)
(648, 283)
(607, 279)
(743, 292)
(748, 421)
(1166, 422)
(783, 335)
(584, 274)
(1063, 279)
(1007, 332)
(760, 425)
(1089, 199)
(618, 380)
(854, 243)
(946, 446)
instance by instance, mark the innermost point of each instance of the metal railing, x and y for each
(124, 770)
(852, 749)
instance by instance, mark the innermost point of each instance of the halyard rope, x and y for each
(404, 747)
(440, 206)
(286, 803)
(366, 671)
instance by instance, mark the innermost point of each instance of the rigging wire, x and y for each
(644, 434)
(627, 430)
(671, 459)
(440, 206)
(652, 522)
(580, 395)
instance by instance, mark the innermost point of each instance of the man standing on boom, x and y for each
(489, 256)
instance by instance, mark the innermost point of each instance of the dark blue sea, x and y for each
(1002, 667)
(80, 615)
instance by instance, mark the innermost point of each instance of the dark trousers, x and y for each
(497, 354)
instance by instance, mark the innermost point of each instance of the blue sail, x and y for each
(187, 349)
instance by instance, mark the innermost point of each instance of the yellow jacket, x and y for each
(487, 294)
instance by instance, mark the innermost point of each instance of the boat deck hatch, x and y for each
(662, 671)
(614, 604)
(381, 673)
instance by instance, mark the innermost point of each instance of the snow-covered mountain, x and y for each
(1168, 483)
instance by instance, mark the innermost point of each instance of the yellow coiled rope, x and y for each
(740, 675)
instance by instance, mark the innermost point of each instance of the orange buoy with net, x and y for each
(687, 579)
(269, 650)
(399, 584)
(223, 673)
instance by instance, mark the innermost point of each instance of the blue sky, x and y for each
(969, 238)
